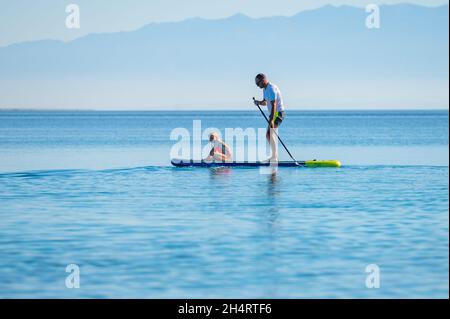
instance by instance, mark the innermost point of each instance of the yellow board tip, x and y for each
(323, 163)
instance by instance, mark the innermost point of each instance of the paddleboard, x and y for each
(310, 163)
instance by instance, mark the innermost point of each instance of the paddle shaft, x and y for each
(267, 120)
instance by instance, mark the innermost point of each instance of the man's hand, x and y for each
(272, 124)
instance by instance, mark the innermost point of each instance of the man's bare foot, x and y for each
(270, 160)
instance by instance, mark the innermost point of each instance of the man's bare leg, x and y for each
(273, 141)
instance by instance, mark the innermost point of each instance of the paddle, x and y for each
(267, 120)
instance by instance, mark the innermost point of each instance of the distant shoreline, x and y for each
(222, 110)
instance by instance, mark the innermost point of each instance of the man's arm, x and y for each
(262, 102)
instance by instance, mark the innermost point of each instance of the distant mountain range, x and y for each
(320, 58)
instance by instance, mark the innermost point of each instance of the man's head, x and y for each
(261, 80)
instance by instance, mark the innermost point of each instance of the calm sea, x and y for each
(96, 189)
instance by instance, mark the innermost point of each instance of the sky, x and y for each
(402, 85)
(25, 20)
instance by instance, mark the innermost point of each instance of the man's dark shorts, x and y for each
(279, 118)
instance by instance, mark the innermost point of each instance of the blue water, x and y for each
(96, 189)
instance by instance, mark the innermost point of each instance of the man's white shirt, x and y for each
(272, 93)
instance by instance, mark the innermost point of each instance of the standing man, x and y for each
(274, 101)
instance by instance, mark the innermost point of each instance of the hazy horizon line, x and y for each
(220, 110)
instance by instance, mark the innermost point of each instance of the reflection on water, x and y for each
(220, 171)
(273, 178)
(272, 194)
